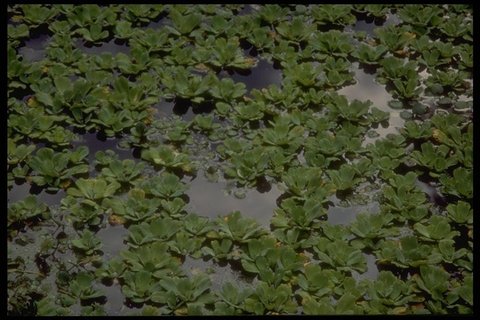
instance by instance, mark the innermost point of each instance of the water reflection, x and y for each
(218, 275)
(211, 200)
(34, 49)
(112, 46)
(97, 142)
(20, 192)
(112, 240)
(367, 88)
(263, 75)
(345, 215)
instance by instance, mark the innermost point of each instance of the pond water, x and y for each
(111, 46)
(263, 75)
(34, 49)
(211, 199)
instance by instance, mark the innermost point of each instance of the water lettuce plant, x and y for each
(19, 213)
(55, 170)
(168, 157)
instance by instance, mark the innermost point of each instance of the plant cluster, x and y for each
(301, 135)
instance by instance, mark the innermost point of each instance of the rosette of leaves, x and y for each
(41, 127)
(448, 80)
(165, 186)
(306, 74)
(345, 178)
(372, 227)
(395, 38)
(184, 296)
(452, 255)
(455, 27)
(93, 190)
(317, 282)
(138, 61)
(154, 258)
(394, 68)
(180, 83)
(336, 72)
(142, 12)
(160, 229)
(388, 292)
(245, 114)
(82, 98)
(284, 53)
(113, 122)
(270, 300)
(393, 146)
(435, 229)
(183, 24)
(36, 15)
(459, 184)
(112, 269)
(437, 159)
(168, 157)
(283, 134)
(206, 125)
(140, 286)
(340, 255)
(403, 199)
(153, 40)
(460, 212)
(94, 33)
(220, 24)
(247, 167)
(417, 131)
(347, 295)
(406, 252)
(28, 209)
(379, 11)
(83, 212)
(332, 43)
(275, 265)
(337, 15)
(231, 300)
(56, 169)
(295, 31)
(233, 146)
(139, 136)
(81, 287)
(87, 243)
(16, 33)
(433, 280)
(462, 292)
(185, 244)
(355, 111)
(134, 97)
(226, 53)
(84, 16)
(175, 130)
(238, 228)
(219, 250)
(303, 182)
(327, 147)
(124, 172)
(136, 208)
(273, 14)
(421, 18)
(227, 90)
(18, 153)
(262, 39)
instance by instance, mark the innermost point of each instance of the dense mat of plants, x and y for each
(302, 135)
